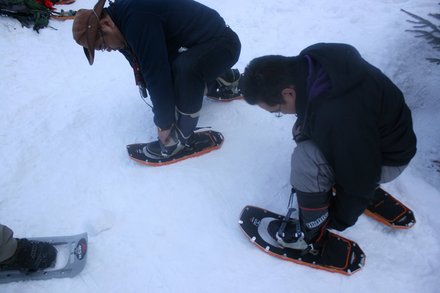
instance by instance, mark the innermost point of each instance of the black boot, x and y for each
(309, 232)
(313, 214)
(225, 87)
(30, 256)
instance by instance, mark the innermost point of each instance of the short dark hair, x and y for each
(265, 77)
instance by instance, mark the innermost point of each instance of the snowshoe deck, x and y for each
(254, 222)
(201, 143)
(389, 211)
(70, 261)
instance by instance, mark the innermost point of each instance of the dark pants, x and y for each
(310, 171)
(194, 68)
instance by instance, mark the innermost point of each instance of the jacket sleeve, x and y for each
(345, 209)
(147, 40)
(350, 141)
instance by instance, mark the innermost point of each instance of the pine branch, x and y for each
(421, 22)
(435, 15)
(424, 28)
(432, 39)
(434, 60)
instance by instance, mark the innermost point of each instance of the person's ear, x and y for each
(288, 93)
(107, 23)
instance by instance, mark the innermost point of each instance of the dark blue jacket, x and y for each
(154, 31)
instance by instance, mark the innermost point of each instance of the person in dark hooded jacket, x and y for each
(353, 130)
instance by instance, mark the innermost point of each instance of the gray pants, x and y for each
(8, 244)
(311, 173)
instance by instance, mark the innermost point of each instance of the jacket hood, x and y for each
(342, 62)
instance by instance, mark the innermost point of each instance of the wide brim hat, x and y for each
(85, 28)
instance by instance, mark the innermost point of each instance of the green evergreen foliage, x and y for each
(27, 12)
(423, 28)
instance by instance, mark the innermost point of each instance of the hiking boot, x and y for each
(175, 144)
(313, 214)
(225, 87)
(31, 256)
(179, 135)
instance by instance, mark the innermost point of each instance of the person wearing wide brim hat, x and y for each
(177, 49)
(86, 26)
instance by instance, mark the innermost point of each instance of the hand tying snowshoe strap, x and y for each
(157, 149)
(176, 142)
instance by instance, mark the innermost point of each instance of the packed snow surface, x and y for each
(64, 167)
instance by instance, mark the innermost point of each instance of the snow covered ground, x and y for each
(64, 167)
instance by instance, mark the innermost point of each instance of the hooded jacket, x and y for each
(360, 122)
(155, 30)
